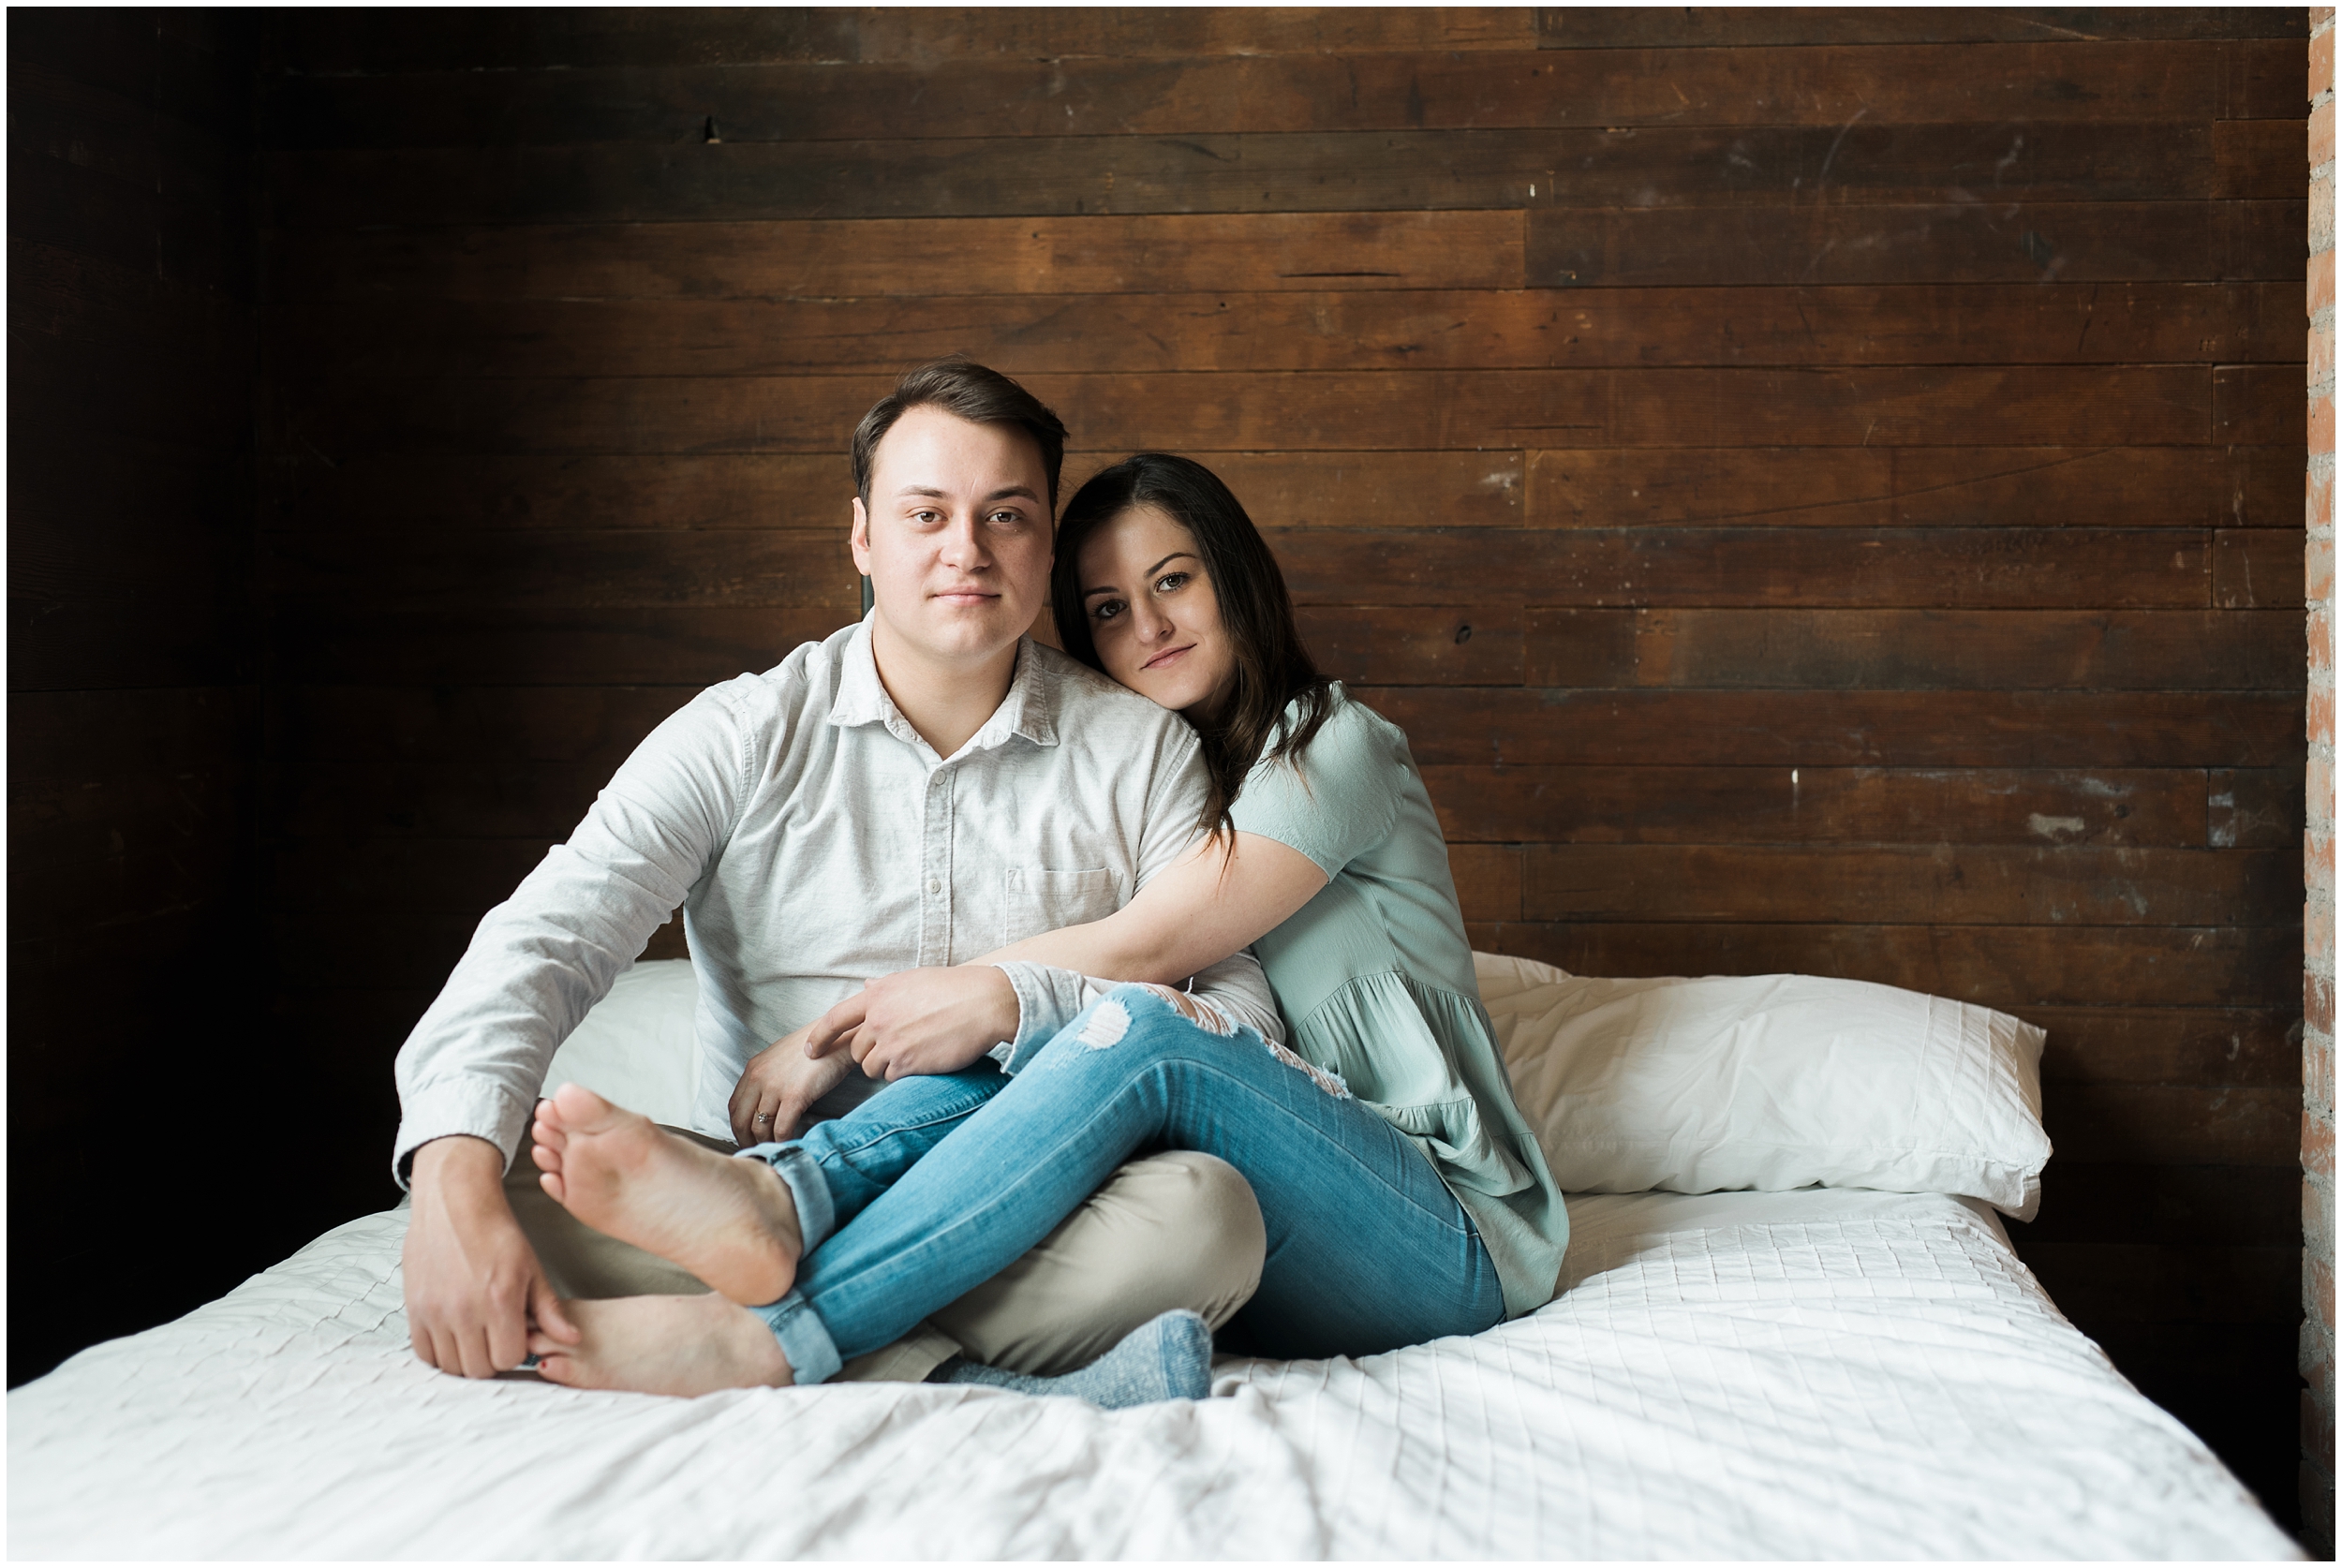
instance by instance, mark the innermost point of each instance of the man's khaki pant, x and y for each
(1171, 1230)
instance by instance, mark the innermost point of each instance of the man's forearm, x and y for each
(459, 1162)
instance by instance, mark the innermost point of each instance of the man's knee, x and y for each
(1177, 1229)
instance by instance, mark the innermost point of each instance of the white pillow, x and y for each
(638, 1046)
(1770, 1082)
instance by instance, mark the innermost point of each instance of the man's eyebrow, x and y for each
(1092, 593)
(1000, 494)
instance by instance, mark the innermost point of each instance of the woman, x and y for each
(1403, 1194)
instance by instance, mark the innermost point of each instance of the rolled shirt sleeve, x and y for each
(476, 1061)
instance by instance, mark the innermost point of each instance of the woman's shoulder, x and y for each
(1351, 736)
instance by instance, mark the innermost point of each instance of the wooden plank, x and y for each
(1451, 90)
(1943, 884)
(2260, 159)
(1487, 880)
(152, 638)
(101, 900)
(671, 647)
(595, 727)
(1244, 412)
(2032, 239)
(2036, 569)
(1267, 173)
(2168, 1205)
(436, 571)
(59, 297)
(1285, 490)
(2009, 967)
(2179, 1045)
(2143, 1282)
(1417, 645)
(2256, 569)
(79, 737)
(131, 136)
(63, 832)
(584, 38)
(913, 258)
(2042, 487)
(1105, 333)
(2254, 807)
(2258, 404)
(1710, 27)
(1671, 802)
(1785, 731)
(2167, 1124)
(494, 798)
(2005, 650)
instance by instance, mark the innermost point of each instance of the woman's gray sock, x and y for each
(1167, 1357)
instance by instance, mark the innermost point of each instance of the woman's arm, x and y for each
(1213, 902)
(1217, 899)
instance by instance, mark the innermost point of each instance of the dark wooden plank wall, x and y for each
(1820, 489)
(134, 979)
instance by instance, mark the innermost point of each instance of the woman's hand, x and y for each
(918, 1021)
(778, 1088)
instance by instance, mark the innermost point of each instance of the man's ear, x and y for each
(859, 540)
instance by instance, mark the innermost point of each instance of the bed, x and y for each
(1826, 1372)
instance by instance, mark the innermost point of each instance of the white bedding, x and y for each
(1811, 1374)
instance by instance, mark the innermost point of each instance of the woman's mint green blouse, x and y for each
(1374, 975)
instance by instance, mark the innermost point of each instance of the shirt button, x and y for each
(934, 885)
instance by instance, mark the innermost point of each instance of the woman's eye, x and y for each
(1107, 610)
(1171, 582)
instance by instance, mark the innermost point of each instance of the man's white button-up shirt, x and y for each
(815, 841)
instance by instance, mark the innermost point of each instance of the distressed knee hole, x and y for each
(1195, 1009)
(1107, 1025)
(1317, 1076)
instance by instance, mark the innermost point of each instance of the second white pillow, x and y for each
(1770, 1082)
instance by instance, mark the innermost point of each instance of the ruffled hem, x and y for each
(1395, 1044)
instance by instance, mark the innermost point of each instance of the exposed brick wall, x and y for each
(2317, 1455)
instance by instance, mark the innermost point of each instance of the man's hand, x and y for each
(778, 1088)
(473, 1283)
(919, 1021)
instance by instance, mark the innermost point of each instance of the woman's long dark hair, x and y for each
(1272, 667)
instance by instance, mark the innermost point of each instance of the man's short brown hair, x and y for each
(974, 393)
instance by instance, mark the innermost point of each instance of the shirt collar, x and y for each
(1029, 710)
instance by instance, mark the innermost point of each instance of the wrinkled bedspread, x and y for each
(1803, 1375)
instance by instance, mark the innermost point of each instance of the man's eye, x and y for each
(1009, 517)
(926, 515)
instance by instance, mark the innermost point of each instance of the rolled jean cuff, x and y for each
(803, 1339)
(817, 1214)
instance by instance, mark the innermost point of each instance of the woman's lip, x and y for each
(1168, 654)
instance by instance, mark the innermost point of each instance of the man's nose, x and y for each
(963, 545)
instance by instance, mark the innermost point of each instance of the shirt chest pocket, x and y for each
(1037, 900)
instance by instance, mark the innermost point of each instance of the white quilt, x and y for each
(1812, 1374)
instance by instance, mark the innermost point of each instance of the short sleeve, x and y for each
(1334, 802)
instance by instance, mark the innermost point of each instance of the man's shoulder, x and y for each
(806, 679)
(1091, 704)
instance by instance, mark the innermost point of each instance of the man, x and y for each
(914, 790)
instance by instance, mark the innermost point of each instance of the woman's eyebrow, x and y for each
(1092, 593)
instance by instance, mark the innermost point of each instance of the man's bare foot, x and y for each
(733, 1222)
(684, 1345)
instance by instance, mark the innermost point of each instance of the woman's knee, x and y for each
(1134, 1009)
